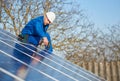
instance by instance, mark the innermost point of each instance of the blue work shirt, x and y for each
(36, 31)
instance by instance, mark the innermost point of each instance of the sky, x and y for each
(103, 13)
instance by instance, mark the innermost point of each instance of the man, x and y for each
(34, 31)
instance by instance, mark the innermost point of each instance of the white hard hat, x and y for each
(50, 16)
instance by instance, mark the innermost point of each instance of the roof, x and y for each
(51, 68)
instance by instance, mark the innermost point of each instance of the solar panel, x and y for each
(51, 68)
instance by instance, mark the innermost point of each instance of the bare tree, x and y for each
(112, 42)
(16, 13)
(72, 33)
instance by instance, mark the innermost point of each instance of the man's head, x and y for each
(49, 17)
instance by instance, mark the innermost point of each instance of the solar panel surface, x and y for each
(51, 68)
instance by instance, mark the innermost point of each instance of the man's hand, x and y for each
(45, 41)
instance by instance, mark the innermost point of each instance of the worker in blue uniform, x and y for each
(31, 36)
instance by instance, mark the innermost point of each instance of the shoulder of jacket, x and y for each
(40, 19)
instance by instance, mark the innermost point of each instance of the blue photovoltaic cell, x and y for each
(51, 68)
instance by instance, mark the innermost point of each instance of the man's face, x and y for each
(46, 20)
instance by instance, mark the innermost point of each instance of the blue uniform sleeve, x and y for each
(40, 30)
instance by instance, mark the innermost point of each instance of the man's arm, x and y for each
(41, 32)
